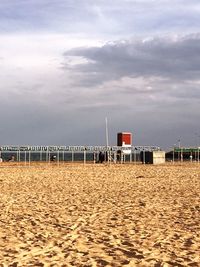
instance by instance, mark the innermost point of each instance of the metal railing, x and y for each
(28, 157)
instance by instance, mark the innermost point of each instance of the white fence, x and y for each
(62, 154)
(27, 157)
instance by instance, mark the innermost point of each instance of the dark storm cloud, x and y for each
(155, 80)
(175, 59)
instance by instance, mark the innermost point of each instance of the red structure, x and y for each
(124, 139)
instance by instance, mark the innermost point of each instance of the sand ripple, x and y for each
(98, 215)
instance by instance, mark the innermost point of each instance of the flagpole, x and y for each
(106, 131)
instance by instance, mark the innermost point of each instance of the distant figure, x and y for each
(101, 157)
(191, 158)
(53, 158)
(106, 156)
(1, 160)
(12, 158)
(118, 156)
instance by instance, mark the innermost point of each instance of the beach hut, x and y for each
(153, 157)
(124, 139)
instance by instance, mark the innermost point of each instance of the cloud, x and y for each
(99, 18)
(175, 58)
(153, 81)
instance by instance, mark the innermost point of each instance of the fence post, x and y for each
(29, 158)
(63, 156)
(72, 156)
(19, 156)
(58, 157)
(115, 157)
(143, 157)
(109, 157)
(134, 156)
(84, 155)
(181, 155)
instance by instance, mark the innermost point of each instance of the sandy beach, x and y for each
(100, 215)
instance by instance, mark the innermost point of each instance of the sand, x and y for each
(100, 215)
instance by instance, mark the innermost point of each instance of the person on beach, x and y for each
(53, 158)
(101, 157)
(12, 158)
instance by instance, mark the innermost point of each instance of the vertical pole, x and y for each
(106, 132)
(58, 157)
(110, 156)
(179, 146)
(41, 155)
(115, 157)
(173, 156)
(25, 157)
(72, 156)
(181, 155)
(143, 157)
(63, 156)
(29, 158)
(84, 156)
(19, 156)
(131, 157)
(198, 146)
(134, 155)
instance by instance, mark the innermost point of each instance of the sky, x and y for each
(66, 65)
